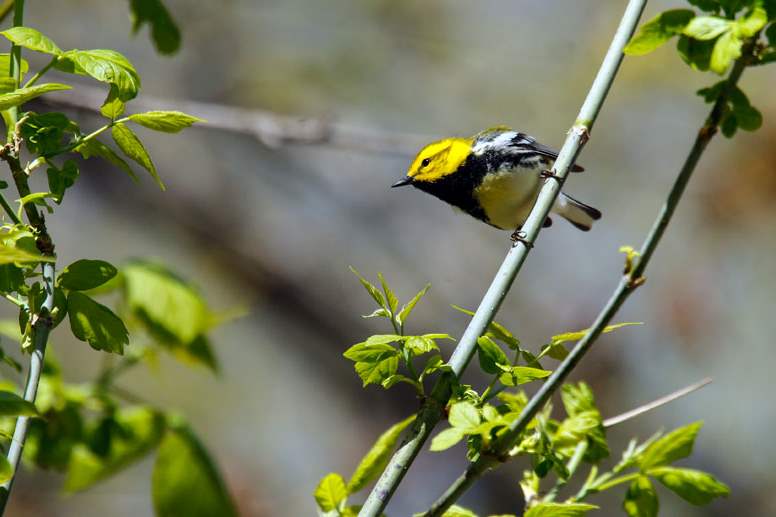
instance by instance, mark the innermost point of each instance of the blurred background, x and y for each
(274, 230)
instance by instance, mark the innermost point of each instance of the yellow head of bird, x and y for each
(437, 160)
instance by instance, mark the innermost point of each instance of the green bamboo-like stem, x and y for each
(431, 411)
(629, 283)
(41, 321)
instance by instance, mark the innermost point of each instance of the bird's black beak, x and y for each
(406, 180)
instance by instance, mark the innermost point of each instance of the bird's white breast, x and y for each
(507, 196)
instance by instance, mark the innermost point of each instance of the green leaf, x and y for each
(96, 324)
(131, 146)
(164, 32)
(641, 499)
(496, 330)
(113, 106)
(12, 404)
(418, 345)
(107, 66)
(12, 255)
(331, 494)
(750, 25)
(31, 39)
(22, 95)
(60, 180)
(696, 53)
(706, 27)
(770, 33)
(381, 339)
(172, 308)
(694, 486)
(407, 308)
(6, 470)
(577, 398)
(726, 50)
(85, 274)
(518, 375)
(747, 117)
(657, 31)
(94, 147)
(458, 511)
(729, 124)
(579, 334)
(5, 68)
(490, 355)
(129, 436)
(447, 439)
(393, 302)
(185, 481)
(559, 510)
(672, 447)
(464, 415)
(710, 6)
(711, 93)
(167, 121)
(375, 293)
(378, 370)
(368, 352)
(374, 462)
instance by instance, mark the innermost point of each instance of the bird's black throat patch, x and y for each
(458, 188)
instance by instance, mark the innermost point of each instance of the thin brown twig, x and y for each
(269, 128)
(662, 401)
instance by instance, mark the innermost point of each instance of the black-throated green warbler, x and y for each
(494, 176)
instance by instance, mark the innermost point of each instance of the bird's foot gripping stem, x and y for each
(547, 174)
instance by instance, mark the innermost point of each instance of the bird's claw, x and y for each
(520, 236)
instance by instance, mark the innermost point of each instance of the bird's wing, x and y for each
(525, 144)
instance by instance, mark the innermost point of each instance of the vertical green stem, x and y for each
(41, 321)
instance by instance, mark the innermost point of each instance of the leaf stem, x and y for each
(431, 412)
(9, 210)
(39, 74)
(629, 283)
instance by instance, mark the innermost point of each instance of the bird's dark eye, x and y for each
(425, 162)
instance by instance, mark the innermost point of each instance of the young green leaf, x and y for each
(164, 32)
(579, 334)
(458, 511)
(641, 499)
(13, 255)
(96, 324)
(750, 25)
(379, 369)
(12, 404)
(726, 50)
(464, 415)
(694, 486)
(496, 330)
(113, 106)
(706, 27)
(331, 494)
(710, 6)
(672, 447)
(491, 355)
(31, 39)
(375, 293)
(85, 274)
(657, 31)
(518, 375)
(376, 459)
(131, 433)
(559, 510)
(696, 53)
(185, 481)
(60, 180)
(369, 352)
(94, 147)
(107, 66)
(6, 470)
(5, 68)
(22, 95)
(447, 439)
(167, 121)
(418, 345)
(131, 146)
(382, 339)
(405, 311)
(393, 302)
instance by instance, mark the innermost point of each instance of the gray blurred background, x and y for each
(274, 230)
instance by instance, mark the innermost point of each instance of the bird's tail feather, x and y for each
(576, 212)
